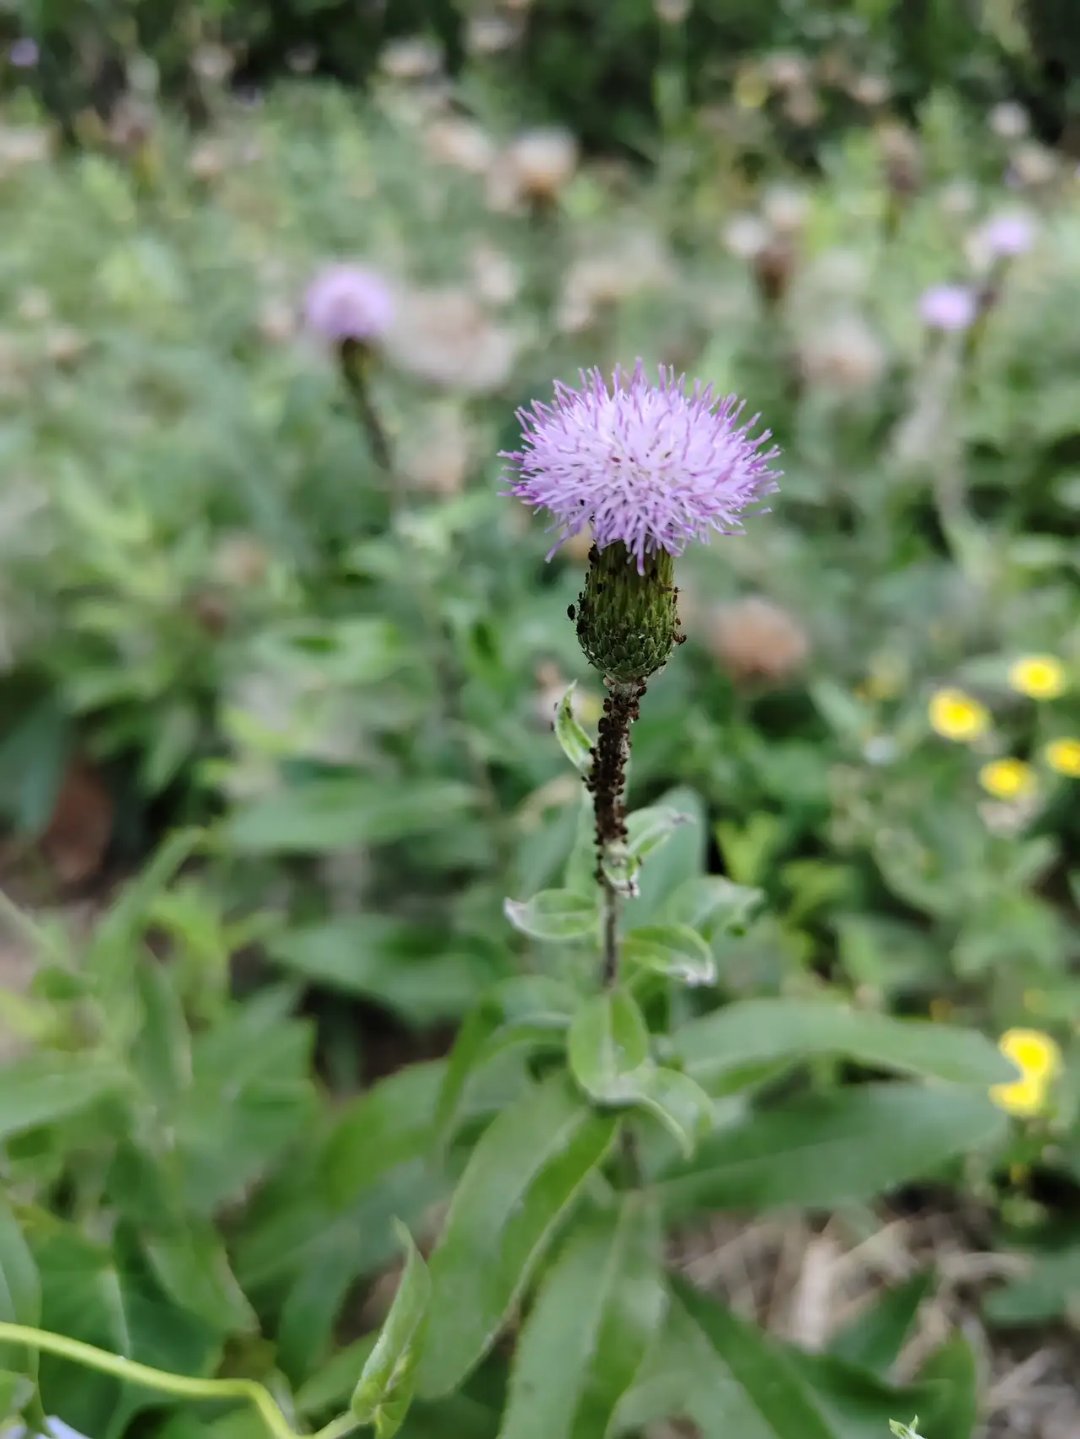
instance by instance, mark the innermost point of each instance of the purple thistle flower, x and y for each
(23, 53)
(651, 465)
(348, 302)
(1008, 235)
(948, 307)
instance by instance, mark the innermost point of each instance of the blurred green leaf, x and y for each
(680, 1104)
(531, 1010)
(608, 1041)
(681, 857)
(574, 742)
(953, 1372)
(20, 1297)
(874, 1338)
(193, 1269)
(414, 969)
(829, 1149)
(390, 1124)
(755, 1031)
(712, 904)
(384, 1390)
(520, 1181)
(1046, 1292)
(554, 914)
(331, 814)
(746, 1384)
(598, 1308)
(671, 949)
(48, 1088)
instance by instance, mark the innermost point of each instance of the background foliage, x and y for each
(275, 737)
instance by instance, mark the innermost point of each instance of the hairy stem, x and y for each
(607, 785)
(354, 367)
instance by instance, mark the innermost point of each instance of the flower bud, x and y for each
(627, 621)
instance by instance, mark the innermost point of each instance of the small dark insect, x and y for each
(571, 612)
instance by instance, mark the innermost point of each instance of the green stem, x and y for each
(182, 1386)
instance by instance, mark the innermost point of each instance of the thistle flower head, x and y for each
(948, 307)
(1007, 235)
(348, 302)
(650, 466)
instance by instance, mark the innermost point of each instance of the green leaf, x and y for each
(341, 813)
(952, 1371)
(876, 1335)
(385, 1387)
(648, 830)
(521, 1179)
(712, 904)
(671, 949)
(420, 972)
(532, 1010)
(16, 1391)
(575, 743)
(678, 1102)
(1047, 1291)
(554, 914)
(389, 1124)
(20, 1290)
(734, 1380)
(600, 1304)
(682, 856)
(608, 1040)
(331, 1386)
(47, 1088)
(20, 1287)
(759, 1368)
(757, 1031)
(161, 1051)
(825, 1150)
(192, 1267)
(855, 1403)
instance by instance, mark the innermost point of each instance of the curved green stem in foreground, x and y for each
(181, 1385)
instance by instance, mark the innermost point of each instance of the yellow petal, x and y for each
(1040, 677)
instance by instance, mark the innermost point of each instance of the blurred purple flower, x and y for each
(1008, 235)
(651, 465)
(24, 53)
(348, 302)
(948, 307)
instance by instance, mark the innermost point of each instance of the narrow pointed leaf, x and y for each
(782, 1404)
(385, 1387)
(527, 1010)
(600, 1305)
(876, 1335)
(521, 1179)
(825, 1150)
(756, 1031)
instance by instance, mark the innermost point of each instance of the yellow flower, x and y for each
(1040, 677)
(955, 715)
(1038, 1059)
(1008, 779)
(1064, 756)
(750, 90)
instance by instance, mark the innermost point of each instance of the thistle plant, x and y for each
(649, 467)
